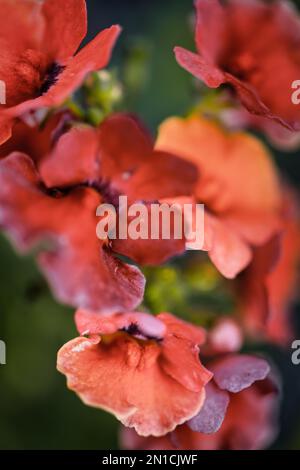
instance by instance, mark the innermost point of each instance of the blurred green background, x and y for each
(36, 409)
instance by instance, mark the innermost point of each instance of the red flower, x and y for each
(237, 117)
(79, 267)
(39, 64)
(58, 206)
(37, 140)
(231, 51)
(118, 159)
(239, 411)
(143, 369)
(238, 185)
(267, 287)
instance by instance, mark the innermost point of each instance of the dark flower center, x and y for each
(51, 77)
(134, 330)
(108, 193)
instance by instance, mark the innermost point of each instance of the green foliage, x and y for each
(190, 288)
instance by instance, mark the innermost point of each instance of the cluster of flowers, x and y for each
(55, 170)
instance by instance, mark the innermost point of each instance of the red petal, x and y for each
(219, 60)
(66, 27)
(22, 28)
(282, 281)
(119, 146)
(128, 160)
(21, 56)
(150, 251)
(123, 376)
(162, 176)
(92, 57)
(211, 30)
(253, 103)
(124, 145)
(79, 270)
(197, 66)
(185, 367)
(251, 420)
(5, 129)
(251, 287)
(34, 141)
(73, 159)
(268, 286)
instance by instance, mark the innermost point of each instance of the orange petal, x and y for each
(124, 378)
(141, 380)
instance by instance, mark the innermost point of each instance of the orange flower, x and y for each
(239, 412)
(238, 185)
(143, 369)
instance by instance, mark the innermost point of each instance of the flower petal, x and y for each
(185, 367)
(66, 27)
(227, 38)
(147, 250)
(228, 165)
(211, 29)
(35, 141)
(128, 160)
(229, 252)
(251, 288)
(123, 376)
(124, 144)
(89, 323)
(92, 57)
(5, 129)
(132, 441)
(237, 372)
(251, 420)
(73, 159)
(79, 269)
(197, 66)
(246, 207)
(25, 18)
(162, 176)
(252, 102)
(212, 414)
(250, 423)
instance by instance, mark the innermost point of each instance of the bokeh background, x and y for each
(36, 409)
